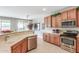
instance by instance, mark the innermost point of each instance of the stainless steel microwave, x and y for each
(68, 24)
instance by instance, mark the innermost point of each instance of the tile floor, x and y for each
(44, 47)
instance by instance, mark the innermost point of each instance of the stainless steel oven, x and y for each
(68, 43)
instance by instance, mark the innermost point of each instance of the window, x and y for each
(25, 25)
(20, 25)
(5, 24)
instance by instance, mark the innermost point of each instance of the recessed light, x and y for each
(44, 9)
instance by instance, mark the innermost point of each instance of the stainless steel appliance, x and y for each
(68, 24)
(68, 44)
(68, 41)
(32, 42)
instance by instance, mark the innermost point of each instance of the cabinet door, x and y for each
(72, 14)
(57, 40)
(49, 21)
(53, 21)
(16, 48)
(51, 38)
(64, 15)
(78, 46)
(58, 21)
(20, 47)
(44, 38)
(46, 21)
(77, 18)
(48, 37)
(24, 45)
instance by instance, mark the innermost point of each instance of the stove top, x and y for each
(68, 34)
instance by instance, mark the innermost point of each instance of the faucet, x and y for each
(6, 37)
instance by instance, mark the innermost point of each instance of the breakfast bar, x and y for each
(18, 42)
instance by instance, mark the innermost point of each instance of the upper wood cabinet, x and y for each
(47, 21)
(64, 15)
(77, 18)
(58, 21)
(53, 21)
(72, 14)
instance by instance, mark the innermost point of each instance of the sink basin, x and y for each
(11, 39)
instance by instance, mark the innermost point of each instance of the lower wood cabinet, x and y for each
(46, 37)
(57, 40)
(16, 49)
(24, 45)
(20, 47)
(51, 38)
(77, 47)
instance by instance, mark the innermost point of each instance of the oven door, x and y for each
(68, 44)
(67, 41)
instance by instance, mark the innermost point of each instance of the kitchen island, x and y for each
(18, 42)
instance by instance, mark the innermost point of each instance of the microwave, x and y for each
(68, 24)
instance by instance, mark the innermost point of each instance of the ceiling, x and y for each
(32, 11)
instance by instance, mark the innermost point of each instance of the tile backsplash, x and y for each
(61, 29)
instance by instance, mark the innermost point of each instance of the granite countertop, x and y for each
(53, 33)
(5, 47)
(13, 40)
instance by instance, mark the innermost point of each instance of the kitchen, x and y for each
(59, 29)
(65, 32)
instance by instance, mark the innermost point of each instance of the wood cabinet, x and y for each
(46, 37)
(16, 49)
(53, 21)
(52, 38)
(77, 21)
(72, 14)
(24, 46)
(47, 21)
(64, 15)
(58, 21)
(20, 47)
(77, 47)
(55, 39)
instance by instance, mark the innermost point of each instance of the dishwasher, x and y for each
(32, 42)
